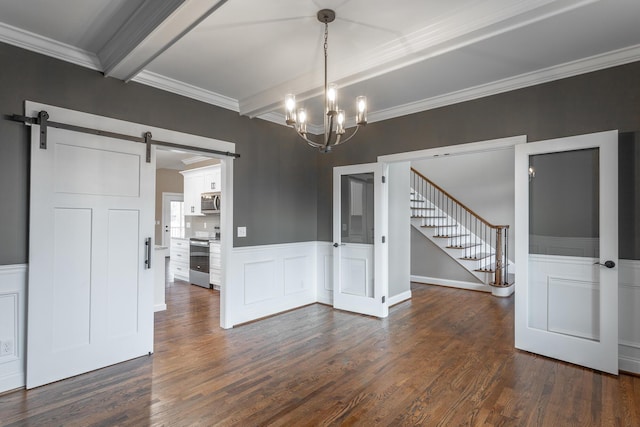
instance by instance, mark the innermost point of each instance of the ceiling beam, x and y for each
(154, 27)
(474, 24)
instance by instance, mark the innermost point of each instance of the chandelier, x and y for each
(334, 119)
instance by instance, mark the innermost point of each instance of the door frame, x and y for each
(507, 143)
(166, 198)
(190, 143)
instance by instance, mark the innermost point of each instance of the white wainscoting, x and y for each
(13, 308)
(300, 274)
(269, 279)
(325, 272)
(629, 316)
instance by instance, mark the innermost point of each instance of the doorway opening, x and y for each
(479, 174)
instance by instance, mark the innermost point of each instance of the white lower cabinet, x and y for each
(215, 264)
(179, 255)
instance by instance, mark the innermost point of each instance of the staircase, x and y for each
(474, 243)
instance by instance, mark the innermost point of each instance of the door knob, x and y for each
(335, 245)
(608, 264)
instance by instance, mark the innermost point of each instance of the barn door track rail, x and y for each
(43, 121)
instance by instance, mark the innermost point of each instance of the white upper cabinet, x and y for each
(196, 182)
(212, 179)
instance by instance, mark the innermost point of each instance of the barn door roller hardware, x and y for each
(43, 121)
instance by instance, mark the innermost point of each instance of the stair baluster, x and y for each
(449, 218)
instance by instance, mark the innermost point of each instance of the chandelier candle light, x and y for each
(334, 120)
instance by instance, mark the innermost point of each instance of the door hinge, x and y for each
(384, 239)
(384, 299)
(384, 179)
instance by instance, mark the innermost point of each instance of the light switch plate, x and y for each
(242, 231)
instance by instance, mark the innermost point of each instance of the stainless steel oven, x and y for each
(199, 262)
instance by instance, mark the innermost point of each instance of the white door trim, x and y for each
(449, 150)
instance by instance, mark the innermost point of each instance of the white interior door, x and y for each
(359, 234)
(566, 228)
(90, 293)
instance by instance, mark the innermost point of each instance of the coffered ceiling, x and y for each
(406, 55)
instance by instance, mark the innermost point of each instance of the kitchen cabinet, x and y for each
(179, 259)
(193, 184)
(196, 182)
(212, 179)
(215, 265)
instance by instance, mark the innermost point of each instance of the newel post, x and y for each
(498, 281)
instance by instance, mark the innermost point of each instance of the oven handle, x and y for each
(196, 243)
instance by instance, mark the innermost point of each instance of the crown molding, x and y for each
(278, 118)
(558, 72)
(49, 47)
(43, 45)
(458, 29)
(190, 91)
(194, 159)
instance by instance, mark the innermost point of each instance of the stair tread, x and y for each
(439, 226)
(422, 208)
(491, 268)
(477, 257)
(450, 236)
(465, 246)
(417, 201)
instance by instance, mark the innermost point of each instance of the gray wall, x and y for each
(629, 195)
(275, 179)
(428, 260)
(283, 189)
(598, 101)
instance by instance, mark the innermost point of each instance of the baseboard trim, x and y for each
(159, 307)
(451, 283)
(628, 364)
(12, 382)
(397, 299)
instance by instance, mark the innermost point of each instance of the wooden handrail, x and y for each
(459, 202)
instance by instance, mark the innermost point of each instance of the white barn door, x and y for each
(90, 293)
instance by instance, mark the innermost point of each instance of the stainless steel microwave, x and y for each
(210, 202)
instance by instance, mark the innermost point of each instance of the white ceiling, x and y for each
(405, 55)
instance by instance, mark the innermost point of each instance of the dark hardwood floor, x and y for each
(444, 358)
